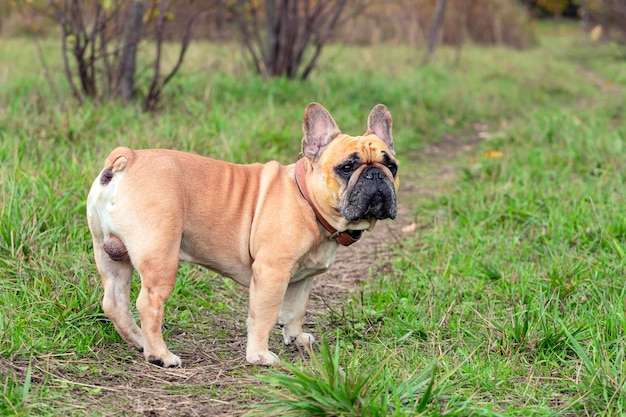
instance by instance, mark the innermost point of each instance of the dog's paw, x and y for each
(171, 361)
(303, 339)
(306, 339)
(263, 358)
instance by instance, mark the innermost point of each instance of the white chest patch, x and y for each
(317, 261)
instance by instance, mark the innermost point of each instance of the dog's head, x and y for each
(353, 179)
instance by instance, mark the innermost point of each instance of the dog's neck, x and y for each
(345, 238)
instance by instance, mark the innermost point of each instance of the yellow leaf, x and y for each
(152, 13)
(596, 33)
(106, 4)
(493, 154)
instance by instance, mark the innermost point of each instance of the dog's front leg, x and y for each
(292, 312)
(267, 289)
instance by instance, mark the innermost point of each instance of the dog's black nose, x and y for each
(373, 173)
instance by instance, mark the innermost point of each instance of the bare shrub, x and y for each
(285, 37)
(486, 22)
(611, 16)
(494, 22)
(100, 42)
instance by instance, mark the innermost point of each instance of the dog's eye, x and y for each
(390, 164)
(346, 169)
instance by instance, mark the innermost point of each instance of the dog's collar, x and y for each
(345, 238)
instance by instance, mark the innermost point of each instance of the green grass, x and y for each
(516, 276)
(328, 387)
(509, 300)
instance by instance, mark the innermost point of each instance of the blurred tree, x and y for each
(541, 8)
(128, 58)
(463, 17)
(100, 41)
(484, 22)
(286, 37)
(612, 16)
(555, 7)
(5, 9)
(435, 29)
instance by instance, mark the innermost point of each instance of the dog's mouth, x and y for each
(372, 197)
(379, 209)
(382, 206)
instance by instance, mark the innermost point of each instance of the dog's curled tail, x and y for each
(117, 161)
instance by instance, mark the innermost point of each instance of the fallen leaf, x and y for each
(493, 154)
(596, 33)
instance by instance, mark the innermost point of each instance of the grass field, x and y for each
(508, 299)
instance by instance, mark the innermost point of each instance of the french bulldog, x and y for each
(268, 226)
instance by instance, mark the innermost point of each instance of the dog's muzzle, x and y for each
(373, 196)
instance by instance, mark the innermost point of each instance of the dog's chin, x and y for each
(370, 214)
(360, 224)
(376, 207)
(372, 224)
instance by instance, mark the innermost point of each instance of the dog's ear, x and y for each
(318, 128)
(379, 123)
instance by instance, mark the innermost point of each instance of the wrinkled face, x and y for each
(359, 178)
(354, 179)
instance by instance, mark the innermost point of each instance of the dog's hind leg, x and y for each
(116, 278)
(292, 312)
(158, 274)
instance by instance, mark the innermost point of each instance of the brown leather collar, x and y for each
(345, 238)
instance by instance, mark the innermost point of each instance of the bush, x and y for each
(487, 22)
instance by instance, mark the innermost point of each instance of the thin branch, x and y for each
(42, 59)
(323, 38)
(156, 88)
(434, 29)
(463, 36)
(91, 40)
(46, 70)
(104, 54)
(243, 27)
(153, 91)
(270, 48)
(66, 64)
(183, 50)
